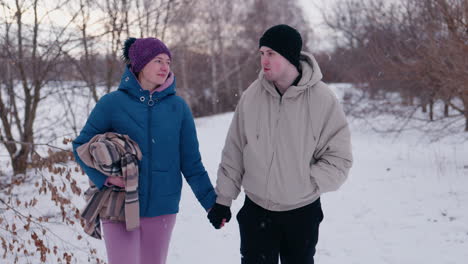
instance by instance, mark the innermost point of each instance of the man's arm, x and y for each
(231, 168)
(333, 153)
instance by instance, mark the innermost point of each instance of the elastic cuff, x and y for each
(224, 200)
(209, 201)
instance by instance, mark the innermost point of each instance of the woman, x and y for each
(146, 108)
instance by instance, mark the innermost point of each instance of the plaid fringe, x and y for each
(114, 155)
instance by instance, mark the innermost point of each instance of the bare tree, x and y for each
(225, 38)
(32, 61)
(417, 49)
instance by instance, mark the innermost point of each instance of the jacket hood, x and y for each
(311, 75)
(130, 85)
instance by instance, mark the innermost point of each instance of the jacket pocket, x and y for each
(166, 182)
(314, 185)
(254, 170)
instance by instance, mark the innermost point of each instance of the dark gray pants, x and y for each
(267, 236)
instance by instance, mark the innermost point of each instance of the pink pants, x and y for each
(147, 244)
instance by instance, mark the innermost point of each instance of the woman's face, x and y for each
(156, 71)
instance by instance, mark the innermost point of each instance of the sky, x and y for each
(322, 34)
(312, 9)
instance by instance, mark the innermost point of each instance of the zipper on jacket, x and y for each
(274, 152)
(150, 101)
(150, 153)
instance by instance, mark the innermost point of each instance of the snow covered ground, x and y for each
(405, 202)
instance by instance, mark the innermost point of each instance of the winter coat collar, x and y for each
(311, 75)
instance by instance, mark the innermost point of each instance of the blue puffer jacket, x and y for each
(164, 129)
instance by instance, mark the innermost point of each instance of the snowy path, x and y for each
(406, 202)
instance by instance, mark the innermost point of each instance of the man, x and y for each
(288, 143)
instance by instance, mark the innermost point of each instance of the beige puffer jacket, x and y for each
(286, 151)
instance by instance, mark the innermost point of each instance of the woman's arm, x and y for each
(191, 163)
(99, 122)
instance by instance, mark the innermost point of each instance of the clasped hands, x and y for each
(219, 215)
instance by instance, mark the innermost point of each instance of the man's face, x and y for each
(274, 65)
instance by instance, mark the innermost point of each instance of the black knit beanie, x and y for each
(285, 40)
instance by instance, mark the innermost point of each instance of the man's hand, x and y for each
(219, 215)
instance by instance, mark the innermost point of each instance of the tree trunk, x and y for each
(184, 77)
(466, 121)
(214, 84)
(431, 110)
(446, 109)
(240, 89)
(20, 162)
(465, 105)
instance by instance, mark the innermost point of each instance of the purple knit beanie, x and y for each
(138, 52)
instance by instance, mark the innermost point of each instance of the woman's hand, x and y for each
(119, 182)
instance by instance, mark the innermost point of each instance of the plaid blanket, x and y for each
(114, 155)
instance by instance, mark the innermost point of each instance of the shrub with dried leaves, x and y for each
(40, 217)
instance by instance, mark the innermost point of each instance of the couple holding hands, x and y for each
(288, 143)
